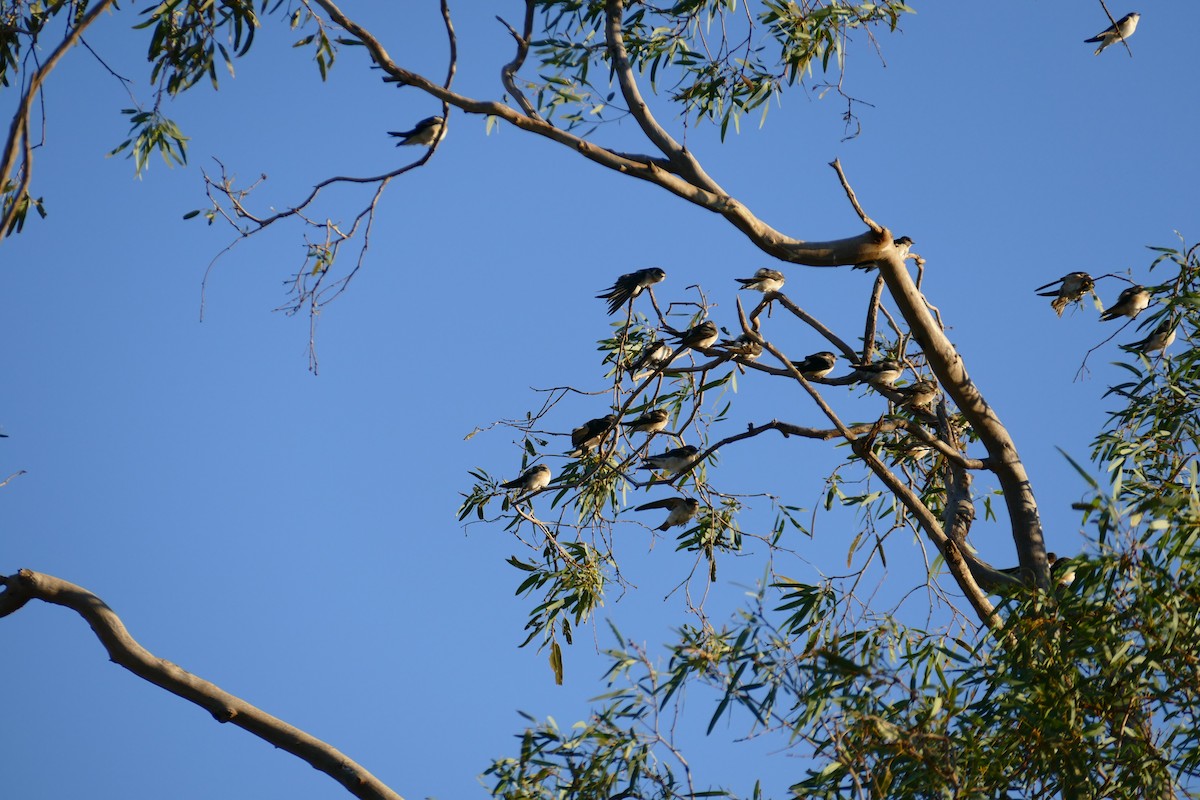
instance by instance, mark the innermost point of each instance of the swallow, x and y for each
(653, 356)
(817, 365)
(629, 286)
(1071, 287)
(880, 374)
(1160, 339)
(591, 433)
(745, 347)
(682, 509)
(1130, 303)
(672, 460)
(531, 480)
(701, 336)
(426, 132)
(764, 280)
(1062, 570)
(902, 245)
(918, 394)
(651, 422)
(1124, 28)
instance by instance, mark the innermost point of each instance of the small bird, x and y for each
(531, 480)
(745, 347)
(816, 365)
(591, 433)
(1071, 287)
(919, 394)
(1062, 570)
(654, 355)
(1130, 303)
(425, 132)
(672, 460)
(902, 245)
(701, 336)
(629, 286)
(881, 374)
(651, 422)
(764, 280)
(1124, 28)
(682, 509)
(1160, 339)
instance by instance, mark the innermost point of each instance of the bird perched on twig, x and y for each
(745, 346)
(1062, 570)
(1130, 303)
(1159, 339)
(1071, 287)
(682, 509)
(764, 280)
(902, 245)
(654, 355)
(629, 286)
(881, 374)
(702, 336)
(591, 433)
(675, 460)
(425, 132)
(651, 422)
(1124, 28)
(816, 365)
(920, 394)
(531, 480)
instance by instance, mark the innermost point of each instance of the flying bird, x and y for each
(881, 374)
(1160, 339)
(1130, 303)
(651, 422)
(425, 132)
(919, 394)
(629, 286)
(591, 433)
(1124, 28)
(902, 245)
(682, 509)
(1071, 287)
(672, 460)
(531, 480)
(816, 365)
(701, 336)
(765, 280)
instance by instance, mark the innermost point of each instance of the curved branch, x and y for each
(124, 650)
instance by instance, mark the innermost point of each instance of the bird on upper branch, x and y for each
(531, 480)
(817, 365)
(1130, 303)
(902, 244)
(1124, 28)
(425, 132)
(590, 434)
(672, 460)
(765, 280)
(629, 286)
(1071, 287)
(651, 422)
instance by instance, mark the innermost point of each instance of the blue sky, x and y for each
(292, 537)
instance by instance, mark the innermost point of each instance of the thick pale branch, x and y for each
(28, 585)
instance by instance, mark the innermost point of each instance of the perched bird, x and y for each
(1130, 303)
(672, 460)
(1160, 339)
(918, 394)
(1071, 287)
(764, 280)
(629, 286)
(654, 355)
(651, 422)
(701, 336)
(880, 374)
(591, 433)
(1062, 570)
(745, 346)
(817, 365)
(682, 509)
(535, 478)
(902, 244)
(425, 132)
(1124, 28)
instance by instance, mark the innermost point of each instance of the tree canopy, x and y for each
(829, 548)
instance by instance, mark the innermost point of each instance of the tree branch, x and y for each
(28, 585)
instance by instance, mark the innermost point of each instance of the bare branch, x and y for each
(124, 650)
(870, 223)
(508, 71)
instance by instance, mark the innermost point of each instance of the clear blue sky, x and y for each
(292, 537)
